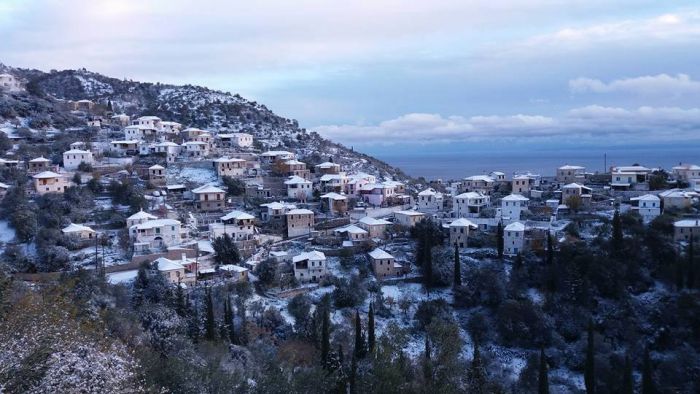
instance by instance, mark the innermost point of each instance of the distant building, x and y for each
(430, 200)
(78, 231)
(237, 224)
(571, 174)
(152, 235)
(209, 198)
(677, 199)
(230, 167)
(241, 140)
(73, 158)
(408, 218)
(10, 83)
(156, 174)
(138, 218)
(384, 264)
(49, 182)
(686, 172)
(310, 266)
(335, 203)
(299, 188)
(513, 238)
(576, 190)
(40, 164)
(513, 205)
(327, 168)
(459, 232)
(470, 204)
(648, 206)
(684, 230)
(483, 184)
(376, 228)
(299, 222)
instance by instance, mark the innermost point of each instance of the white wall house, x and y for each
(513, 238)
(78, 231)
(138, 218)
(299, 188)
(151, 122)
(230, 167)
(408, 218)
(238, 225)
(138, 132)
(686, 172)
(157, 234)
(648, 206)
(430, 200)
(470, 204)
(9, 83)
(310, 266)
(513, 205)
(73, 158)
(375, 227)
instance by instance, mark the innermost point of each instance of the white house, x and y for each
(430, 200)
(353, 233)
(196, 148)
(513, 205)
(151, 122)
(241, 140)
(336, 203)
(156, 234)
(138, 218)
(273, 156)
(648, 206)
(478, 183)
(470, 204)
(275, 209)
(310, 266)
(686, 172)
(138, 132)
(513, 238)
(78, 231)
(459, 232)
(384, 264)
(124, 147)
(299, 188)
(9, 83)
(238, 225)
(677, 199)
(73, 158)
(169, 127)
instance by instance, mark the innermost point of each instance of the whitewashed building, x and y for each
(73, 158)
(470, 204)
(10, 83)
(230, 167)
(648, 206)
(513, 238)
(156, 234)
(430, 200)
(78, 231)
(238, 225)
(299, 188)
(310, 266)
(513, 205)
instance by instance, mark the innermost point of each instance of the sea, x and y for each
(459, 161)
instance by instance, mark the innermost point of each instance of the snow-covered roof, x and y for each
(168, 265)
(232, 268)
(352, 229)
(515, 226)
(409, 213)
(300, 212)
(515, 197)
(334, 196)
(148, 117)
(295, 180)
(121, 142)
(76, 228)
(330, 177)
(46, 174)
(175, 187)
(228, 160)
(312, 255)
(483, 178)
(646, 197)
(207, 189)
(687, 167)
(278, 205)
(471, 195)
(370, 221)
(272, 153)
(380, 254)
(677, 193)
(687, 223)
(429, 192)
(157, 223)
(574, 186)
(570, 167)
(76, 152)
(4, 186)
(238, 215)
(294, 162)
(462, 222)
(327, 164)
(166, 144)
(41, 159)
(156, 167)
(142, 215)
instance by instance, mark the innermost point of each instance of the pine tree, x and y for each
(617, 235)
(109, 105)
(359, 339)
(140, 285)
(543, 379)
(209, 324)
(691, 265)
(370, 329)
(647, 378)
(458, 269)
(627, 379)
(589, 373)
(325, 336)
(499, 239)
(180, 306)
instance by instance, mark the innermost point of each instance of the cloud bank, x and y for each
(592, 122)
(662, 84)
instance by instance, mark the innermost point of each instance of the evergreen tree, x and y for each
(243, 330)
(627, 379)
(691, 265)
(458, 269)
(109, 105)
(427, 365)
(680, 276)
(428, 270)
(550, 250)
(359, 338)
(370, 329)
(647, 378)
(353, 374)
(140, 285)
(477, 373)
(210, 323)
(180, 305)
(325, 336)
(499, 239)
(589, 373)
(543, 379)
(230, 321)
(617, 235)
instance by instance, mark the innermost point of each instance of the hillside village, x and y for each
(97, 184)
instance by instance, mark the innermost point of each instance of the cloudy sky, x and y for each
(380, 72)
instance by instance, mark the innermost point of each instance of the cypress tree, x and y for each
(617, 235)
(427, 367)
(499, 239)
(353, 374)
(543, 379)
(230, 322)
(243, 332)
(550, 250)
(180, 306)
(680, 277)
(370, 329)
(647, 379)
(325, 336)
(428, 267)
(140, 284)
(458, 269)
(589, 373)
(210, 324)
(691, 264)
(477, 374)
(359, 340)
(627, 379)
